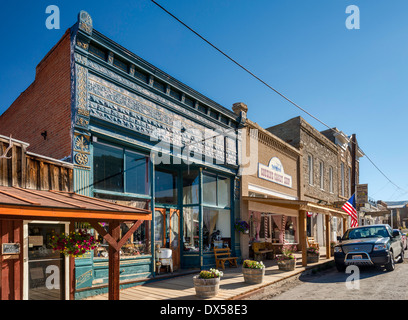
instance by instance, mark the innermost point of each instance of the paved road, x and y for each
(375, 283)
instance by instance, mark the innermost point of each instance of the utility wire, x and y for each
(270, 87)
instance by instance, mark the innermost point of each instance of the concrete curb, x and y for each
(302, 270)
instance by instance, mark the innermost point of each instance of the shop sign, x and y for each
(10, 249)
(362, 194)
(274, 172)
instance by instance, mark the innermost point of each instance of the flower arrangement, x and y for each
(73, 244)
(242, 226)
(251, 264)
(287, 253)
(312, 250)
(213, 273)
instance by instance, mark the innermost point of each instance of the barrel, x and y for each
(253, 276)
(206, 288)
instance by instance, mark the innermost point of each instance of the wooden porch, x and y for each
(232, 284)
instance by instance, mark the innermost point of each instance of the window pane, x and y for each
(190, 229)
(108, 168)
(209, 190)
(137, 175)
(166, 187)
(224, 192)
(216, 228)
(190, 187)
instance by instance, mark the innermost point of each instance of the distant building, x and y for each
(399, 214)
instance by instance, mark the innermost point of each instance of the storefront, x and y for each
(144, 139)
(31, 215)
(274, 175)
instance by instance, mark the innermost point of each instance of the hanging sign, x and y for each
(274, 172)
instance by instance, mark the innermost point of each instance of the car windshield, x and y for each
(366, 232)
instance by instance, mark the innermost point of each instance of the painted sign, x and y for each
(274, 172)
(10, 248)
(362, 194)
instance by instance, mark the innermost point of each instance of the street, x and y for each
(374, 284)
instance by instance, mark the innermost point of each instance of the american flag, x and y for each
(350, 208)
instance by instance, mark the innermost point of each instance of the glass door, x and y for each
(46, 267)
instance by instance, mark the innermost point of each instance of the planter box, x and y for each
(206, 288)
(253, 276)
(287, 265)
(312, 258)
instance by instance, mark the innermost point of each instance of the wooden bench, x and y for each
(312, 243)
(261, 249)
(222, 255)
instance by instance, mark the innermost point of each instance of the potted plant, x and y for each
(253, 271)
(74, 244)
(287, 260)
(242, 226)
(207, 283)
(313, 255)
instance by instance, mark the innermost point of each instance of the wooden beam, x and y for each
(328, 252)
(128, 234)
(71, 268)
(303, 235)
(114, 262)
(107, 236)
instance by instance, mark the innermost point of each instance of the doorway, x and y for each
(167, 232)
(44, 268)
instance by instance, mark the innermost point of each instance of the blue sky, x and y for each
(355, 80)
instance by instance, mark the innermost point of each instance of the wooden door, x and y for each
(174, 233)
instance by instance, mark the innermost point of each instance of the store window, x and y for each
(120, 170)
(216, 191)
(290, 229)
(191, 229)
(191, 187)
(108, 167)
(136, 173)
(216, 228)
(137, 245)
(166, 186)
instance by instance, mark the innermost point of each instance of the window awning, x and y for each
(298, 205)
(18, 203)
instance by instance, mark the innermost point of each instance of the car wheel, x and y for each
(401, 260)
(340, 267)
(390, 266)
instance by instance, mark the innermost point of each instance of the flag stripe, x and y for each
(351, 210)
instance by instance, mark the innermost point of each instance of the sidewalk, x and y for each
(232, 286)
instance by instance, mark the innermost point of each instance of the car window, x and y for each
(366, 232)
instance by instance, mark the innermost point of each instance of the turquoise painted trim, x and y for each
(122, 194)
(152, 207)
(200, 216)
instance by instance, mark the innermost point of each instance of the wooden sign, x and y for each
(362, 194)
(10, 248)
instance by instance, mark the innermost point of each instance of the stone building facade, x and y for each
(326, 167)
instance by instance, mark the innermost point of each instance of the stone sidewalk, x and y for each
(232, 285)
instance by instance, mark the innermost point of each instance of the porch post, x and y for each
(328, 253)
(344, 225)
(114, 261)
(72, 268)
(303, 235)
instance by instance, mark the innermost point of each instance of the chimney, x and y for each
(238, 107)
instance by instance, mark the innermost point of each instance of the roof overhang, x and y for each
(18, 203)
(298, 205)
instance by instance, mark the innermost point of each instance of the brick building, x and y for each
(138, 137)
(327, 167)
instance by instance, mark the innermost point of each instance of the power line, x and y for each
(270, 87)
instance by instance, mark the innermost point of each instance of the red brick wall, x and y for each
(45, 106)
